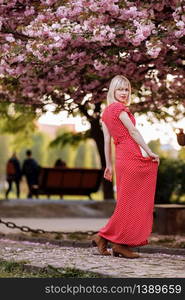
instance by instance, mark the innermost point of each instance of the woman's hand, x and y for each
(155, 157)
(108, 173)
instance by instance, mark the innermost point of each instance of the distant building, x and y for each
(51, 130)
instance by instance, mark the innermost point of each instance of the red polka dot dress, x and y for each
(131, 222)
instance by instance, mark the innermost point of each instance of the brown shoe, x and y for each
(120, 250)
(101, 243)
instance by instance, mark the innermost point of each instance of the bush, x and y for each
(170, 180)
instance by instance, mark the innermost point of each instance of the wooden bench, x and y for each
(68, 181)
(169, 219)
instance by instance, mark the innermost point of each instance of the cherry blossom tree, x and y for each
(65, 52)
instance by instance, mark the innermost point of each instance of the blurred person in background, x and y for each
(13, 174)
(30, 170)
(60, 163)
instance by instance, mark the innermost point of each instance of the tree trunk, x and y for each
(97, 135)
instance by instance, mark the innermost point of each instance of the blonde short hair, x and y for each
(116, 83)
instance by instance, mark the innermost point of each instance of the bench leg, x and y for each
(90, 198)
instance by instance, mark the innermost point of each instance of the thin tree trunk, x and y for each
(97, 135)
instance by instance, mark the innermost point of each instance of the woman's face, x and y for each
(122, 94)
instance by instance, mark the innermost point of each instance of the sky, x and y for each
(165, 132)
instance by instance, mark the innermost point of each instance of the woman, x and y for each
(136, 171)
(60, 163)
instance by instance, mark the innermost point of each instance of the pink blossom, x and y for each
(10, 38)
(48, 2)
(62, 11)
(20, 58)
(130, 69)
(98, 65)
(56, 26)
(180, 24)
(72, 43)
(154, 52)
(1, 70)
(29, 11)
(179, 33)
(136, 41)
(136, 56)
(159, 5)
(173, 47)
(56, 38)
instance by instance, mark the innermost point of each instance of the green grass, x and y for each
(11, 269)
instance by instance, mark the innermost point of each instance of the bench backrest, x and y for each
(74, 180)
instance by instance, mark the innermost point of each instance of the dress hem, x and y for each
(120, 243)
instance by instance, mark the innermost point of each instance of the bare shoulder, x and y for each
(123, 115)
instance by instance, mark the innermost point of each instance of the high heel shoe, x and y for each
(101, 243)
(118, 250)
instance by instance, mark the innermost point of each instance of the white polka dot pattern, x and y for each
(131, 222)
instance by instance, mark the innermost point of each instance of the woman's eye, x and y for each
(120, 90)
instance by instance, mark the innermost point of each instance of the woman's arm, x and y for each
(107, 145)
(107, 151)
(135, 134)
